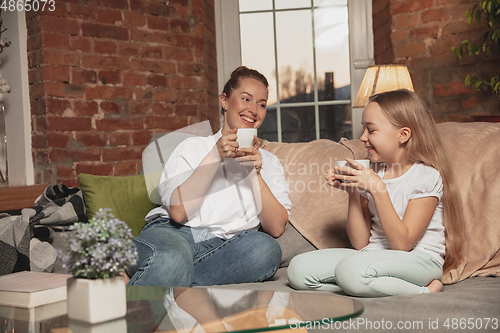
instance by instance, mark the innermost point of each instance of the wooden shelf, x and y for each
(12, 198)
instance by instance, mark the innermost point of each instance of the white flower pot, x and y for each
(95, 301)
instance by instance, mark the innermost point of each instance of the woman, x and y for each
(207, 230)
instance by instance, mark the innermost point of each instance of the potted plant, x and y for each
(99, 252)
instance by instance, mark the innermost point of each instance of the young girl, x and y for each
(395, 217)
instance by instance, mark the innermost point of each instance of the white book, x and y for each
(32, 289)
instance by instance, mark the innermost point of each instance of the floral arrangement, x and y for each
(100, 249)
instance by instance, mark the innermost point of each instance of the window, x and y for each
(303, 48)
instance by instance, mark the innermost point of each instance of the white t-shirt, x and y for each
(419, 181)
(232, 203)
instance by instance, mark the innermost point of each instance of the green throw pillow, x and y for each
(127, 197)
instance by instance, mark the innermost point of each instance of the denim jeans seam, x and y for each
(149, 260)
(208, 253)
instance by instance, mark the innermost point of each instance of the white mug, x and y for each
(245, 137)
(365, 163)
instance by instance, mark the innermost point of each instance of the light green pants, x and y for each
(364, 273)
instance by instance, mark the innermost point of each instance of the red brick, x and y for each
(37, 90)
(191, 97)
(134, 19)
(120, 138)
(99, 169)
(57, 106)
(410, 6)
(141, 137)
(424, 33)
(158, 23)
(456, 28)
(68, 124)
(85, 108)
(144, 94)
(83, 76)
(39, 141)
(110, 77)
(39, 124)
(56, 57)
(108, 92)
(56, 41)
(163, 109)
(110, 107)
(166, 123)
(121, 154)
(147, 36)
(406, 20)
(166, 95)
(105, 62)
(129, 49)
(433, 15)
(109, 16)
(60, 25)
(190, 41)
(133, 79)
(157, 80)
(85, 13)
(140, 108)
(117, 4)
(153, 66)
(104, 31)
(80, 44)
(190, 69)
(178, 26)
(56, 73)
(59, 139)
(186, 109)
(91, 139)
(65, 172)
(451, 89)
(60, 89)
(126, 168)
(470, 103)
(114, 124)
(160, 9)
(154, 52)
(410, 51)
(105, 47)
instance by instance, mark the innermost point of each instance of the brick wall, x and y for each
(106, 75)
(420, 34)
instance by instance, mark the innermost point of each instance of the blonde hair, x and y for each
(403, 108)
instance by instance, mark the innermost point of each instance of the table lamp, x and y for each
(378, 79)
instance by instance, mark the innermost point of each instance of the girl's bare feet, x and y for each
(435, 286)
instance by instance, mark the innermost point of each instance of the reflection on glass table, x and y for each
(232, 310)
(158, 309)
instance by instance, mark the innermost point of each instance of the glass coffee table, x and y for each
(158, 309)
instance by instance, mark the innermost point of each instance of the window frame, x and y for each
(360, 48)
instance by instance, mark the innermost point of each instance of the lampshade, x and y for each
(382, 78)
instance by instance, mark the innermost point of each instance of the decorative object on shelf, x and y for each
(4, 88)
(378, 79)
(99, 252)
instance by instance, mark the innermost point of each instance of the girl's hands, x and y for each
(227, 145)
(355, 177)
(250, 156)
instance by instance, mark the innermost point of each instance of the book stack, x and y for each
(33, 296)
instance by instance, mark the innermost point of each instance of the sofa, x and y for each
(471, 293)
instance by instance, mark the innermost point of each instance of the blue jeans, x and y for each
(169, 256)
(364, 273)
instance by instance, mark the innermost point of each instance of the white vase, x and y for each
(95, 301)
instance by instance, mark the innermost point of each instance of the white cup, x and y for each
(365, 163)
(245, 137)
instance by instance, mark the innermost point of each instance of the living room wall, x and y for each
(106, 75)
(420, 34)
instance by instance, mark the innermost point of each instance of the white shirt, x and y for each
(419, 181)
(232, 203)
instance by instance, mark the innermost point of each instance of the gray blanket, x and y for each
(25, 240)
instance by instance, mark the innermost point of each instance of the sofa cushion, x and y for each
(474, 152)
(319, 211)
(127, 197)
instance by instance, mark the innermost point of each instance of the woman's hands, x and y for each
(227, 145)
(355, 177)
(245, 156)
